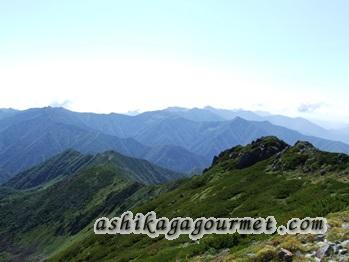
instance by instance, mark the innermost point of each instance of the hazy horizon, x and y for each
(287, 58)
(324, 124)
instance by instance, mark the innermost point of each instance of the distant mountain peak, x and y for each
(239, 118)
(8, 109)
(54, 108)
(176, 109)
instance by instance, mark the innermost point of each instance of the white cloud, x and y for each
(65, 104)
(310, 107)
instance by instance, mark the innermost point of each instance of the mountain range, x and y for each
(47, 212)
(262, 178)
(183, 140)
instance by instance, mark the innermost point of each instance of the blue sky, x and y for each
(288, 57)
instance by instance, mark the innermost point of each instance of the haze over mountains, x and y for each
(179, 139)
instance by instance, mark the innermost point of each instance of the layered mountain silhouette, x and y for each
(33, 136)
(299, 124)
(179, 139)
(47, 212)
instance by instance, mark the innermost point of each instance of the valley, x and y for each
(54, 219)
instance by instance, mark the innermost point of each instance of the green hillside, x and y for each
(71, 191)
(264, 178)
(268, 177)
(65, 164)
(71, 162)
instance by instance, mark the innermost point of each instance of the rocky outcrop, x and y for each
(259, 150)
(304, 157)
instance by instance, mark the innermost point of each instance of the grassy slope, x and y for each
(267, 250)
(284, 185)
(55, 168)
(37, 221)
(70, 162)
